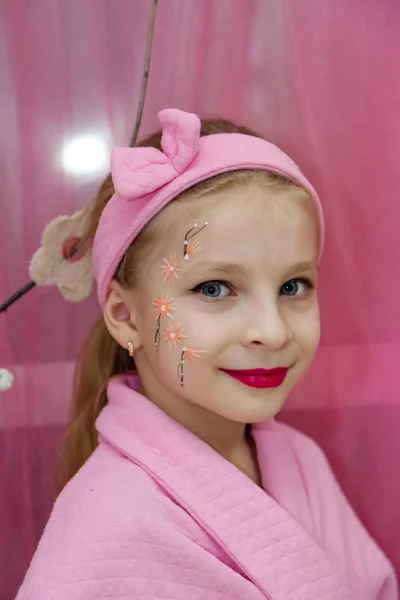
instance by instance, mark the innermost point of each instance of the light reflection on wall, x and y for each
(85, 155)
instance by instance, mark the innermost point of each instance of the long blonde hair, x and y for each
(101, 357)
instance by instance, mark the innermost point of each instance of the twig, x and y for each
(145, 77)
(17, 296)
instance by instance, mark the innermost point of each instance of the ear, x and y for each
(120, 316)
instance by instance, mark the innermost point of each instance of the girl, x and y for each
(182, 485)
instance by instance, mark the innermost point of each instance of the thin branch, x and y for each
(17, 296)
(149, 41)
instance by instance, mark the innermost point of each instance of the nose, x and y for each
(267, 327)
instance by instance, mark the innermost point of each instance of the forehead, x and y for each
(247, 223)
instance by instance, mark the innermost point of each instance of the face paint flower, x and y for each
(192, 248)
(174, 335)
(170, 268)
(163, 306)
(190, 353)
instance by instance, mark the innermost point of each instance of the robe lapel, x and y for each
(262, 538)
(282, 474)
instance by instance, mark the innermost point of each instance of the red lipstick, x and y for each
(259, 378)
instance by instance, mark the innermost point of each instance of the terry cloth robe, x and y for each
(156, 513)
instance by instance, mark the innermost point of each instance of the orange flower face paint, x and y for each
(174, 335)
(170, 268)
(164, 306)
(192, 248)
(191, 354)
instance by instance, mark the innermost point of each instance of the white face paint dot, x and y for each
(196, 225)
(184, 348)
(172, 335)
(186, 257)
(206, 223)
(171, 268)
(163, 308)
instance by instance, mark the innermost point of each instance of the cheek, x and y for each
(192, 333)
(206, 329)
(308, 331)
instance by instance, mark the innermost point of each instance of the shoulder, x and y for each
(114, 533)
(111, 492)
(107, 521)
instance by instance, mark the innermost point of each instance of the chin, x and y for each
(255, 408)
(268, 411)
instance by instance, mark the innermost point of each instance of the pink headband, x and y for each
(146, 179)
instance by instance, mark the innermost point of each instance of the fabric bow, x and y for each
(139, 171)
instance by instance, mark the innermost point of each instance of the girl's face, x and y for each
(242, 303)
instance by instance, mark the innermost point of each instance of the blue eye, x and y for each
(295, 287)
(213, 289)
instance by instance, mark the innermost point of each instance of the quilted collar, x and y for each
(274, 550)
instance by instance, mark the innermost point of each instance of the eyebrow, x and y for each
(220, 268)
(303, 267)
(236, 270)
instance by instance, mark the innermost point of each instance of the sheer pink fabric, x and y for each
(320, 80)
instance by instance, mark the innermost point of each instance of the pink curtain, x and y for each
(321, 79)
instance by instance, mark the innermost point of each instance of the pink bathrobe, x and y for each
(156, 513)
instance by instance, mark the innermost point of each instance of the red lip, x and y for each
(259, 378)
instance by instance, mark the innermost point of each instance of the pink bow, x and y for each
(139, 171)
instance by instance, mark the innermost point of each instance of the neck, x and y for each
(230, 439)
(227, 437)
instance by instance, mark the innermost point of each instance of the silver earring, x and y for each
(130, 348)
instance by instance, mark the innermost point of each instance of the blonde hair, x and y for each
(101, 357)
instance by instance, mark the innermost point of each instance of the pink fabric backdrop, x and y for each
(318, 78)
